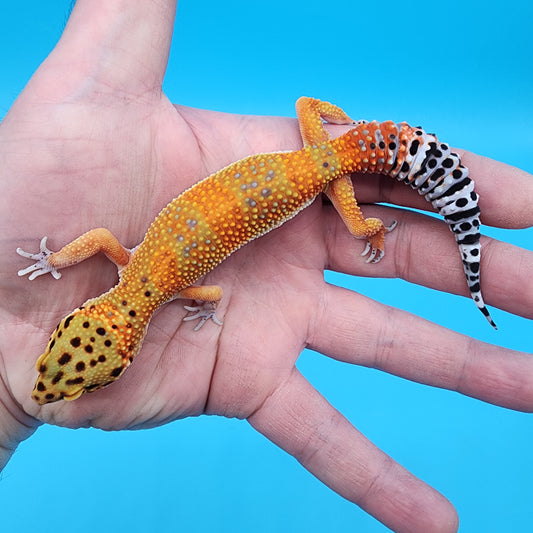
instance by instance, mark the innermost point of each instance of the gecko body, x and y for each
(196, 231)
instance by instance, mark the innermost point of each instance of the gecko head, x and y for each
(84, 354)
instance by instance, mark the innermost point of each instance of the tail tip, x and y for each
(486, 312)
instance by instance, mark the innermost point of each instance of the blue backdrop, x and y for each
(460, 68)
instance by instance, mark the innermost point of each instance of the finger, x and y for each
(300, 421)
(421, 250)
(355, 329)
(505, 192)
(122, 44)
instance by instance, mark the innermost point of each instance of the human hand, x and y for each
(104, 147)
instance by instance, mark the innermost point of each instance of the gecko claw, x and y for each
(375, 256)
(204, 313)
(41, 265)
(375, 243)
(393, 224)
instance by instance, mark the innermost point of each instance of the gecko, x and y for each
(92, 346)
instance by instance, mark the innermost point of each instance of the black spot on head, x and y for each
(43, 368)
(88, 348)
(76, 341)
(102, 358)
(80, 366)
(116, 371)
(100, 331)
(148, 294)
(57, 378)
(52, 342)
(114, 326)
(59, 333)
(68, 320)
(86, 325)
(75, 381)
(92, 362)
(132, 313)
(108, 343)
(40, 386)
(64, 359)
(50, 396)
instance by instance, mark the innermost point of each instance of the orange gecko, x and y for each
(92, 346)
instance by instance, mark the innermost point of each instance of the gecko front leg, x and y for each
(209, 296)
(85, 246)
(41, 265)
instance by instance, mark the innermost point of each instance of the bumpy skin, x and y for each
(195, 232)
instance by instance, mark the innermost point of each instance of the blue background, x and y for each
(460, 68)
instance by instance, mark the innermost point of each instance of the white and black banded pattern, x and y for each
(420, 160)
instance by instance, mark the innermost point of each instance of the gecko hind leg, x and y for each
(341, 194)
(310, 112)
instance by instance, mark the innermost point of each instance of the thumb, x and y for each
(121, 45)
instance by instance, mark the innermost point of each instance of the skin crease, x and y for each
(140, 150)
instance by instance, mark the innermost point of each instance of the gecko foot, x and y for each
(41, 265)
(204, 313)
(375, 244)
